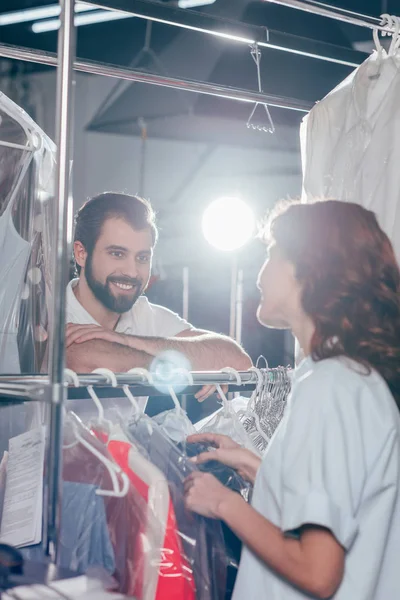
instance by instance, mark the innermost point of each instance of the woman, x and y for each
(325, 515)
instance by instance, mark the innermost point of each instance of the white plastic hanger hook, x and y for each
(109, 375)
(225, 401)
(111, 378)
(131, 399)
(71, 377)
(386, 21)
(144, 373)
(175, 399)
(233, 372)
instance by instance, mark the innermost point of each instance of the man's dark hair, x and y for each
(90, 218)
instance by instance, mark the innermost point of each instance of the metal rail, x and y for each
(198, 87)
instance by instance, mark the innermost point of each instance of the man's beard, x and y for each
(103, 293)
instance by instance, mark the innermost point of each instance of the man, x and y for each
(109, 321)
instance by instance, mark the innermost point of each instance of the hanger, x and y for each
(250, 413)
(394, 46)
(110, 378)
(132, 399)
(112, 468)
(259, 126)
(179, 371)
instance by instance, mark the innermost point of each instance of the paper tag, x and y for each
(21, 523)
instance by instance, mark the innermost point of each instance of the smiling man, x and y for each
(110, 323)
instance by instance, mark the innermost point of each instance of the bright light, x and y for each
(194, 3)
(40, 12)
(228, 223)
(87, 19)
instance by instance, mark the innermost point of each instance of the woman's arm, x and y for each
(314, 562)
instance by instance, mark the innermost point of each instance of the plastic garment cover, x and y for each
(126, 516)
(350, 143)
(202, 539)
(84, 538)
(27, 167)
(231, 479)
(226, 422)
(169, 574)
(175, 424)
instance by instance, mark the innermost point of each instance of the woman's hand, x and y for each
(213, 439)
(229, 453)
(205, 495)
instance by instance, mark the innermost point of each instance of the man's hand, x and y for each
(78, 334)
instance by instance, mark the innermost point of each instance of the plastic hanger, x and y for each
(178, 408)
(110, 378)
(112, 469)
(132, 399)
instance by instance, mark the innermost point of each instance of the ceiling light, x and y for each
(40, 12)
(194, 3)
(87, 19)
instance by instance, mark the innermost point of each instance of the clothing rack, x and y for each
(53, 388)
(36, 387)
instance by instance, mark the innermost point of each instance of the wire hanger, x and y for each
(270, 128)
(250, 414)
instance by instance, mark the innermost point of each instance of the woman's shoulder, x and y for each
(339, 370)
(344, 384)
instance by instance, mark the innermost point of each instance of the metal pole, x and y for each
(143, 147)
(324, 10)
(188, 85)
(185, 293)
(234, 30)
(234, 289)
(64, 102)
(239, 307)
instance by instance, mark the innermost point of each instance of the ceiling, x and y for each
(188, 54)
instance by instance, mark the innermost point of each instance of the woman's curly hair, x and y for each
(351, 282)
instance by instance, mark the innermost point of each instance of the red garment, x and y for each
(126, 517)
(175, 577)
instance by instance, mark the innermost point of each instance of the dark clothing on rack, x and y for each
(226, 475)
(230, 478)
(202, 538)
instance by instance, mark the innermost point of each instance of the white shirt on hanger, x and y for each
(144, 319)
(334, 461)
(350, 143)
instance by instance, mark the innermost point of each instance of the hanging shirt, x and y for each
(143, 319)
(126, 516)
(334, 462)
(202, 539)
(350, 143)
(169, 574)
